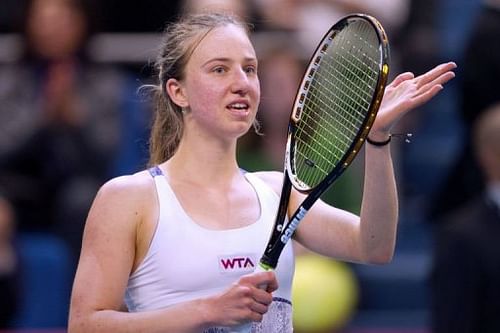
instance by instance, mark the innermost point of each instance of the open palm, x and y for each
(407, 92)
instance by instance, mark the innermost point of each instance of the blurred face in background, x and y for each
(281, 73)
(236, 7)
(6, 220)
(487, 143)
(56, 29)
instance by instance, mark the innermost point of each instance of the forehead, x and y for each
(228, 41)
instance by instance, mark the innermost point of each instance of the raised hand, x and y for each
(407, 92)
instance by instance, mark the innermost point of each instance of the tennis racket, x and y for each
(335, 107)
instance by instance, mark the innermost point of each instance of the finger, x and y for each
(426, 96)
(401, 78)
(255, 316)
(444, 78)
(273, 284)
(261, 278)
(262, 296)
(439, 81)
(434, 73)
(259, 308)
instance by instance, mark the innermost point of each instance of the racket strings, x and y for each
(309, 133)
(336, 104)
(344, 118)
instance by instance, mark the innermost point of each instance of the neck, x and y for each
(202, 161)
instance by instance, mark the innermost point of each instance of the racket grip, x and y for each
(247, 328)
(260, 269)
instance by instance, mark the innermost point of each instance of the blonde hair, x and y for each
(179, 41)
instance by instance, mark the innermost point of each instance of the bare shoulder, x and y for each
(272, 178)
(109, 245)
(124, 198)
(129, 186)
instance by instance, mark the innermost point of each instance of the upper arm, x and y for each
(328, 230)
(325, 229)
(109, 245)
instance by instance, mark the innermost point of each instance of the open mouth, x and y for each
(238, 106)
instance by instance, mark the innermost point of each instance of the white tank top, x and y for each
(186, 261)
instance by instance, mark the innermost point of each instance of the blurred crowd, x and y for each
(68, 123)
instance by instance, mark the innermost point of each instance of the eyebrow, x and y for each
(223, 59)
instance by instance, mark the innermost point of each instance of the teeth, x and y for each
(238, 106)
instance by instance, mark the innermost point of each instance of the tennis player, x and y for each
(173, 248)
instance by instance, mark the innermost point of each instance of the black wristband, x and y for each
(379, 143)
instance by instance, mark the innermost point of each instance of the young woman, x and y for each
(179, 242)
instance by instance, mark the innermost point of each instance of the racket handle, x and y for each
(260, 269)
(247, 328)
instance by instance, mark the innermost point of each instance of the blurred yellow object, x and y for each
(324, 294)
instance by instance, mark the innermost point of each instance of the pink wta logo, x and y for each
(238, 263)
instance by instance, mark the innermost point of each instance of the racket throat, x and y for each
(292, 225)
(271, 256)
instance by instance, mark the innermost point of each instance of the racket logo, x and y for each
(294, 223)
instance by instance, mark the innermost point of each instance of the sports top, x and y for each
(186, 261)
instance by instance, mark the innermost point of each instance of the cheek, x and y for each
(257, 90)
(204, 96)
(256, 94)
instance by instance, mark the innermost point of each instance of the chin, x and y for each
(241, 129)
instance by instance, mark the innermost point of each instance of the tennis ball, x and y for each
(324, 294)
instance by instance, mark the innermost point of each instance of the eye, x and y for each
(251, 69)
(219, 70)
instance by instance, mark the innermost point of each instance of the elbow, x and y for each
(77, 322)
(381, 256)
(378, 249)
(380, 259)
(79, 326)
(71, 329)
(75, 326)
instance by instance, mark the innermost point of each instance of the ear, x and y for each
(176, 92)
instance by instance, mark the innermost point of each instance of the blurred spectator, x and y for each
(418, 39)
(311, 19)
(137, 16)
(479, 89)
(8, 264)
(9, 14)
(418, 47)
(465, 289)
(66, 125)
(241, 8)
(280, 72)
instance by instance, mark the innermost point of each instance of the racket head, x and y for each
(337, 101)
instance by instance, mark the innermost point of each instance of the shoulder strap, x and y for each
(155, 171)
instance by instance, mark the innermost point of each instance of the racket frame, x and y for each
(282, 231)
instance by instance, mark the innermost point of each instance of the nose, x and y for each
(240, 83)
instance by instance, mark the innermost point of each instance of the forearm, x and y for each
(379, 210)
(187, 317)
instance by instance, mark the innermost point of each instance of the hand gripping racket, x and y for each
(335, 107)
